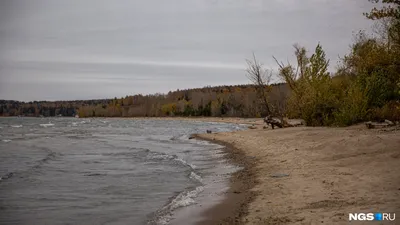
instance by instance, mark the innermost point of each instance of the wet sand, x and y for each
(235, 205)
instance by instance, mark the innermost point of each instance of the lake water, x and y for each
(108, 171)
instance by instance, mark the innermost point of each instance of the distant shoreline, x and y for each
(258, 122)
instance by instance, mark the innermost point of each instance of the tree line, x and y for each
(44, 108)
(233, 101)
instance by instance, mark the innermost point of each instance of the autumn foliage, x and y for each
(233, 101)
(238, 101)
(366, 85)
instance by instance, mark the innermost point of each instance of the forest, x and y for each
(237, 101)
(44, 108)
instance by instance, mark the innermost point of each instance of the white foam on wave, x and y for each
(6, 140)
(183, 199)
(185, 163)
(161, 156)
(16, 126)
(46, 124)
(195, 176)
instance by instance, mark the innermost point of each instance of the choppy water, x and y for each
(107, 171)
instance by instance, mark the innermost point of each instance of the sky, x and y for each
(91, 49)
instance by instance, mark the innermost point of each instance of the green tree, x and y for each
(311, 85)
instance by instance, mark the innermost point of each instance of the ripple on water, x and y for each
(149, 163)
(46, 124)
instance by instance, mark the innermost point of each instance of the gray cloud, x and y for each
(53, 49)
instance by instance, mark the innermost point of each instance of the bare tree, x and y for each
(261, 78)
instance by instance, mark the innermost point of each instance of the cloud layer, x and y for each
(52, 49)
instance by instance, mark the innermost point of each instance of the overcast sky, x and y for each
(85, 49)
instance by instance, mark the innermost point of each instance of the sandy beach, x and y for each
(307, 175)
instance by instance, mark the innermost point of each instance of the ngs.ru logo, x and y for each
(372, 216)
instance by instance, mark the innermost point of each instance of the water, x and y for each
(108, 171)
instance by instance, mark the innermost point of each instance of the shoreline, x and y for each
(309, 175)
(305, 175)
(234, 205)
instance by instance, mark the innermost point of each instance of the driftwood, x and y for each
(372, 125)
(295, 122)
(274, 121)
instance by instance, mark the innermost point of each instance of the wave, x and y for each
(16, 126)
(185, 163)
(183, 199)
(180, 137)
(163, 156)
(160, 156)
(49, 156)
(6, 140)
(46, 124)
(195, 177)
(7, 176)
(94, 174)
(161, 139)
(152, 155)
(36, 165)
